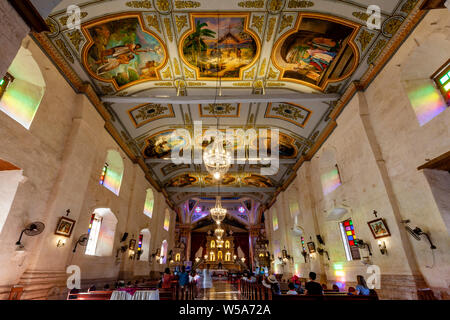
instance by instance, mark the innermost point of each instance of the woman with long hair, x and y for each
(362, 288)
(167, 279)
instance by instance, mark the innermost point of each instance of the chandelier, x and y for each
(219, 233)
(217, 160)
(218, 213)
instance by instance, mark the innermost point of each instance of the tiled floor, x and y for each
(221, 290)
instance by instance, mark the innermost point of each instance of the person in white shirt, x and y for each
(291, 289)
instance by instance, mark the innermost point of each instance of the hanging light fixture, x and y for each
(218, 213)
(217, 161)
(219, 232)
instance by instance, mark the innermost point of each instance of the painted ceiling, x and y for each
(167, 48)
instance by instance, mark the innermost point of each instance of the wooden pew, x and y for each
(326, 297)
(92, 295)
(168, 294)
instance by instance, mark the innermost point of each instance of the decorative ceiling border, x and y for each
(285, 118)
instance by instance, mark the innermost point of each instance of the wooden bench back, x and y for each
(92, 295)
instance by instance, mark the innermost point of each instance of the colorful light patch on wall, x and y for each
(330, 181)
(167, 221)
(112, 181)
(241, 209)
(149, 202)
(426, 100)
(274, 220)
(293, 207)
(198, 209)
(21, 101)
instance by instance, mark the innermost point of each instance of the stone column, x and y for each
(46, 273)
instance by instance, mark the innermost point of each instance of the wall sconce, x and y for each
(321, 251)
(61, 243)
(382, 246)
(234, 257)
(197, 259)
(206, 257)
(361, 244)
(243, 260)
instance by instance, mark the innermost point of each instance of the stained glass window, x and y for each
(103, 175)
(4, 83)
(93, 233)
(442, 80)
(139, 248)
(348, 238)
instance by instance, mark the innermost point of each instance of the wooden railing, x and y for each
(254, 291)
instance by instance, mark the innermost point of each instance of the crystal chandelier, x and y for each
(217, 160)
(218, 213)
(219, 233)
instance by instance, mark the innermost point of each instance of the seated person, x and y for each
(251, 278)
(312, 287)
(272, 283)
(335, 287)
(362, 288)
(291, 289)
(351, 291)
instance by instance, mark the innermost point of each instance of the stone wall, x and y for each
(62, 156)
(378, 146)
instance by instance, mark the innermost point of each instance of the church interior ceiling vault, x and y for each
(165, 48)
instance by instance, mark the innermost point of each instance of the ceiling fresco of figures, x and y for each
(167, 48)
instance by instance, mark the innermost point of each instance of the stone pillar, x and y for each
(13, 31)
(252, 236)
(48, 260)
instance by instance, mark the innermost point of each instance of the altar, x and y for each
(218, 273)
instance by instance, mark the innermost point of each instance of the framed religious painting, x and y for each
(311, 247)
(132, 244)
(379, 228)
(65, 227)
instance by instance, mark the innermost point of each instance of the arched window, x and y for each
(167, 220)
(330, 175)
(212, 256)
(227, 244)
(22, 89)
(102, 228)
(163, 258)
(10, 177)
(219, 255)
(144, 245)
(112, 172)
(213, 244)
(228, 256)
(149, 202)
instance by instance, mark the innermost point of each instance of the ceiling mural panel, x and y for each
(182, 48)
(220, 110)
(220, 46)
(122, 52)
(145, 113)
(291, 112)
(318, 50)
